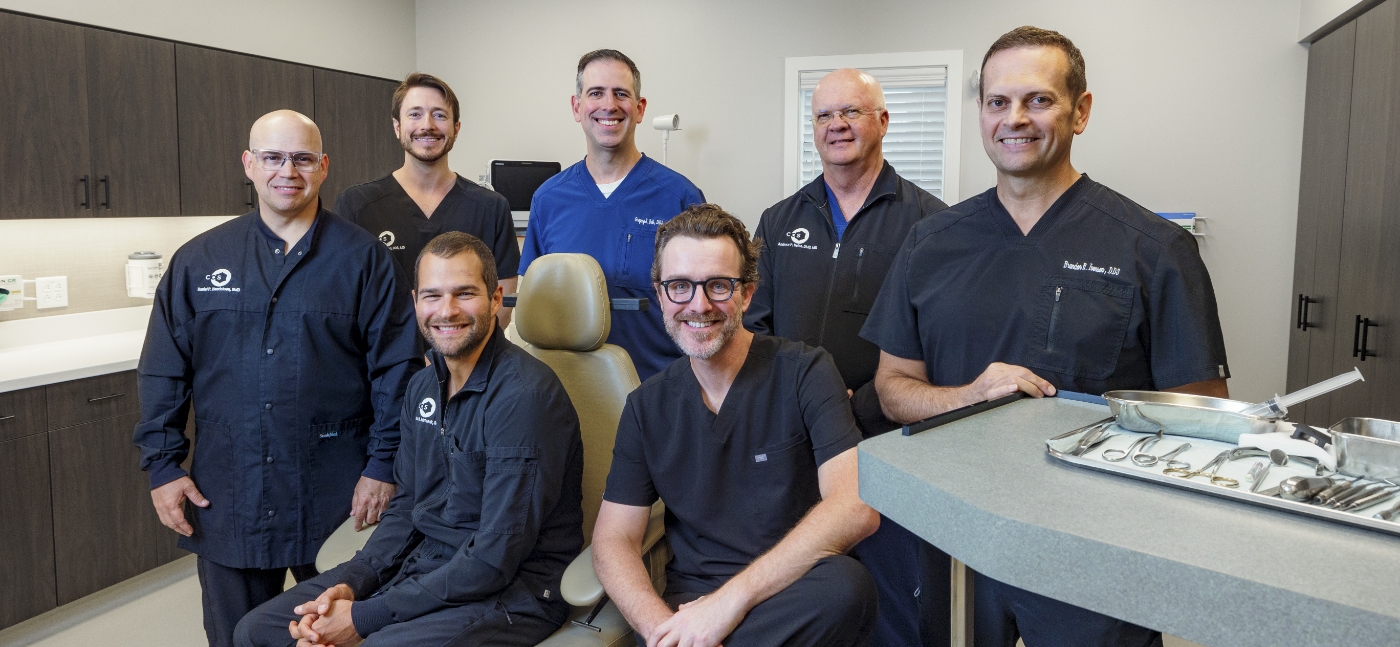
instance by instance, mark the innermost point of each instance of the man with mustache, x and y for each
(609, 204)
(1047, 281)
(750, 441)
(425, 198)
(488, 512)
(291, 333)
(826, 250)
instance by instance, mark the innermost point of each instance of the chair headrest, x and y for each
(563, 304)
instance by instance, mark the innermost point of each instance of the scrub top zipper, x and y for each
(1054, 317)
(836, 252)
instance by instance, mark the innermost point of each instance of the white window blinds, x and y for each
(917, 99)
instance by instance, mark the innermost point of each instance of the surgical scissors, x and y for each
(1148, 460)
(1215, 463)
(1116, 455)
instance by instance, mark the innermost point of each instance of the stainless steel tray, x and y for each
(1183, 414)
(1367, 447)
(1201, 452)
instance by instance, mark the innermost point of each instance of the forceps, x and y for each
(1213, 466)
(1148, 460)
(1136, 449)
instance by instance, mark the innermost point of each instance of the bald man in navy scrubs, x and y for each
(1048, 281)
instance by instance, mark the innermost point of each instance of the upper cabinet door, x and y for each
(220, 96)
(43, 120)
(134, 132)
(357, 129)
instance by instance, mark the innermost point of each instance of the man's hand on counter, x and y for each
(371, 499)
(169, 500)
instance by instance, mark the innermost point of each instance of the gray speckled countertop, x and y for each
(1213, 571)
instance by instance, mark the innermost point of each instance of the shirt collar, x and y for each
(477, 381)
(274, 238)
(886, 184)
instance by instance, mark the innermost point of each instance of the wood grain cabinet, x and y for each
(354, 113)
(1347, 297)
(27, 584)
(220, 96)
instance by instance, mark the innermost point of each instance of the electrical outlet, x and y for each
(52, 291)
(13, 283)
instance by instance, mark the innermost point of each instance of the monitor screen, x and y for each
(517, 181)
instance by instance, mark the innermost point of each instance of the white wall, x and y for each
(367, 36)
(1198, 107)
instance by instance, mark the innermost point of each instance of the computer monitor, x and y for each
(517, 181)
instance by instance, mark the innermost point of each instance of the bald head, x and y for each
(849, 121)
(852, 83)
(275, 129)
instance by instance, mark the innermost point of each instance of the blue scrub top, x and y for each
(838, 219)
(570, 215)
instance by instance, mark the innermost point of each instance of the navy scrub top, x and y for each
(736, 482)
(570, 214)
(295, 362)
(1102, 294)
(384, 209)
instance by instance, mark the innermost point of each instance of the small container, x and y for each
(1367, 447)
(143, 272)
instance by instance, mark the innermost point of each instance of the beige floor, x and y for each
(158, 609)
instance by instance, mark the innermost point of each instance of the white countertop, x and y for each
(59, 348)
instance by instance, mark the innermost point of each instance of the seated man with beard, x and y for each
(488, 511)
(750, 441)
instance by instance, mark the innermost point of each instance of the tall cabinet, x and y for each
(1347, 297)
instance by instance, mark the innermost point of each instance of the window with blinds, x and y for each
(917, 98)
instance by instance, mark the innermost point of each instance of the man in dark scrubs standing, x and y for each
(750, 441)
(826, 250)
(490, 473)
(291, 333)
(425, 198)
(609, 204)
(1047, 281)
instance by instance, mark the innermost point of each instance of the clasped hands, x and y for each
(703, 622)
(325, 621)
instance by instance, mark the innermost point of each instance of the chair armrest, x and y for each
(580, 585)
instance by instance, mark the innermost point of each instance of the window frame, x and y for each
(793, 117)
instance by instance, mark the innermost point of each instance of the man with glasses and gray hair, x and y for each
(750, 441)
(609, 204)
(289, 331)
(826, 250)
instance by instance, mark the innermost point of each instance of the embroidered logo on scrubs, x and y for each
(760, 458)
(219, 279)
(387, 237)
(427, 407)
(1086, 266)
(798, 236)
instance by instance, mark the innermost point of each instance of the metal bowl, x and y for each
(1367, 447)
(1182, 414)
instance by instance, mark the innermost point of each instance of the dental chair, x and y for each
(562, 317)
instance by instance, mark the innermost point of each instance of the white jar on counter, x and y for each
(143, 272)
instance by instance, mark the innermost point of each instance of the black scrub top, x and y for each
(736, 482)
(384, 209)
(1102, 294)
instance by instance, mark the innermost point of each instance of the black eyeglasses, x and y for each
(717, 289)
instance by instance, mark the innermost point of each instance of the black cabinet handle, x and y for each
(87, 194)
(106, 397)
(249, 184)
(1360, 337)
(106, 192)
(7, 418)
(1303, 302)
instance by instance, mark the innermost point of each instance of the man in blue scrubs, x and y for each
(609, 205)
(826, 250)
(1047, 281)
(291, 333)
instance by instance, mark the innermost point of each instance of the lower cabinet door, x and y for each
(26, 530)
(105, 529)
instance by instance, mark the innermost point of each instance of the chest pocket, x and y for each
(1080, 326)
(634, 258)
(868, 265)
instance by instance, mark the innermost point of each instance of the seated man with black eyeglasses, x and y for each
(750, 442)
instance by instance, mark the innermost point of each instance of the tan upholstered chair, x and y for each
(562, 316)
